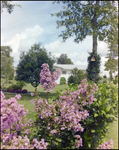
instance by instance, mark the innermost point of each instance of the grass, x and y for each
(26, 101)
(113, 134)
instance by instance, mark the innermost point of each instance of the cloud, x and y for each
(23, 41)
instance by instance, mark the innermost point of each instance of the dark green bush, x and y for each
(104, 76)
(18, 86)
(62, 80)
(72, 80)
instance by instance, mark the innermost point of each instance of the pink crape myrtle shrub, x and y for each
(14, 127)
(47, 79)
(65, 114)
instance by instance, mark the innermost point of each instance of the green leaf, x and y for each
(58, 139)
(111, 116)
(92, 131)
(95, 114)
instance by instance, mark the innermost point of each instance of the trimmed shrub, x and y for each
(62, 80)
(18, 86)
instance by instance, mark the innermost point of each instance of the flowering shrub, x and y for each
(63, 117)
(106, 145)
(47, 79)
(14, 127)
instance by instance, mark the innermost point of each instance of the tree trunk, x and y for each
(95, 29)
(35, 91)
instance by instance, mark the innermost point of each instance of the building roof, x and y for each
(70, 66)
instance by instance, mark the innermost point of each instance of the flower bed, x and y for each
(17, 91)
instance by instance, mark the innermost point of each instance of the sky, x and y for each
(32, 23)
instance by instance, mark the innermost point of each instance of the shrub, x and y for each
(62, 80)
(72, 80)
(101, 113)
(18, 86)
(104, 76)
(24, 91)
(15, 129)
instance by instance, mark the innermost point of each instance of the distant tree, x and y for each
(63, 59)
(77, 76)
(29, 66)
(8, 6)
(6, 62)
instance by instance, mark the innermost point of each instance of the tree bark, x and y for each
(35, 91)
(95, 29)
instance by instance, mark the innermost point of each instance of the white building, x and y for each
(66, 70)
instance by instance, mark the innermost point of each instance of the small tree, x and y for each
(77, 76)
(63, 59)
(30, 63)
(6, 63)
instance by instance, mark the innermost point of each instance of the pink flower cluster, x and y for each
(106, 145)
(24, 143)
(14, 126)
(47, 79)
(68, 111)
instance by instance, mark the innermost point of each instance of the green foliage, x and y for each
(77, 76)
(18, 86)
(93, 69)
(115, 81)
(63, 59)
(62, 80)
(104, 76)
(8, 6)
(86, 18)
(6, 63)
(104, 81)
(101, 113)
(30, 63)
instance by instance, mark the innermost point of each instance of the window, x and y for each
(63, 72)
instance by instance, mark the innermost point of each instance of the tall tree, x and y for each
(8, 6)
(88, 18)
(83, 18)
(111, 64)
(29, 66)
(6, 62)
(63, 59)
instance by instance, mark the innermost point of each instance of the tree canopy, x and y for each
(63, 59)
(8, 6)
(29, 66)
(6, 63)
(82, 18)
(111, 64)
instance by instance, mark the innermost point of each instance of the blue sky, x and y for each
(33, 24)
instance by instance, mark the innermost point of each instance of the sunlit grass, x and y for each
(113, 134)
